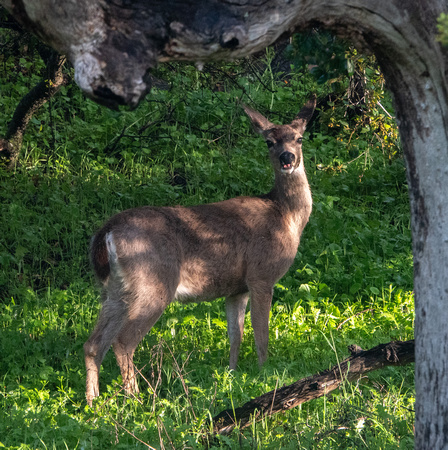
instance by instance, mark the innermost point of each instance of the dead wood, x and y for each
(52, 81)
(396, 353)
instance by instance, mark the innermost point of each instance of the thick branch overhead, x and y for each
(113, 43)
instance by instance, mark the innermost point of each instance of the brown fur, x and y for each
(147, 257)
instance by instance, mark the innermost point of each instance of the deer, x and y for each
(147, 257)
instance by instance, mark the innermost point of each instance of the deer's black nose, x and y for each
(287, 159)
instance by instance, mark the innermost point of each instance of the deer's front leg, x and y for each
(260, 306)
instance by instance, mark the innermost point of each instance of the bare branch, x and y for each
(395, 353)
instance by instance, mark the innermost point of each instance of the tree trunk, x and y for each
(112, 44)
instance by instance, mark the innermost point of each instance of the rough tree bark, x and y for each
(395, 353)
(30, 103)
(112, 44)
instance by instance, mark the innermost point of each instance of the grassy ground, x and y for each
(351, 282)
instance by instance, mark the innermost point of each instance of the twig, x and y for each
(179, 371)
(359, 156)
(139, 371)
(130, 433)
(354, 315)
(159, 420)
(273, 397)
(384, 109)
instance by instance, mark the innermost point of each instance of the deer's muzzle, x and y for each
(286, 161)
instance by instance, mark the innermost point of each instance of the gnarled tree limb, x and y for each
(362, 361)
(30, 103)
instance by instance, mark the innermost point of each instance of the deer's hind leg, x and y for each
(235, 311)
(110, 320)
(150, 298)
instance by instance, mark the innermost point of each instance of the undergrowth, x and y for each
(189, 143)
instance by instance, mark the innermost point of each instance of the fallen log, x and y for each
(396, 353)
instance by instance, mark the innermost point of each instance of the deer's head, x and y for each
(284, 141)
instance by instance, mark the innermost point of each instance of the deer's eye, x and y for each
(269, 143)
(299, 141)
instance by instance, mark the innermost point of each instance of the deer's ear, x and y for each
(259, 122)
(305, 114)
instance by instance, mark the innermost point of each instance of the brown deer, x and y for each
(147, 257)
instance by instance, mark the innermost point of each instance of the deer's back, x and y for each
(214, 250)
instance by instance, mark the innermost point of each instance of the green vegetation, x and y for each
(442, 28)
(351, 282)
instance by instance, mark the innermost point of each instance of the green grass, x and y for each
(351, 282)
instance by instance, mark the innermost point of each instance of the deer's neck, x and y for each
(293, 196)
